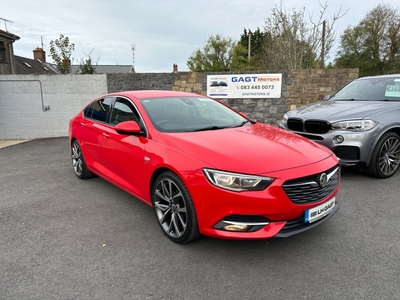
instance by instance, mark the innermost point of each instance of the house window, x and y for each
(2, 52)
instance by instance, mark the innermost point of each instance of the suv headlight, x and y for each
(237, 182)
(354, 125)
(285, 118)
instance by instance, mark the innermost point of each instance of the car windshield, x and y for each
(185, 114)
(370, 89)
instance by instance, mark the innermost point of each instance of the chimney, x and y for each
(39, 54)
(175, 68)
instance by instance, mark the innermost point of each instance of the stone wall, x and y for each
(308, 86)
(299, 87)
(140, 81)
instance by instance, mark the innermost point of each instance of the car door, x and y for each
(125, 153)
(94, 125)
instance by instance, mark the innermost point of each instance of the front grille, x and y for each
(295, 124)
(315, 126)
(310, 126)
(308, 190)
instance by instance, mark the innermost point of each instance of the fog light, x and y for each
(339, 139)
(236, 227)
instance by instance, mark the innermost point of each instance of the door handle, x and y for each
(83, 124)
(106, 135)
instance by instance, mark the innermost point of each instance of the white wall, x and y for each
(21, 111)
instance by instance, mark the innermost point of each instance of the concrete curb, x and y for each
(6, 143)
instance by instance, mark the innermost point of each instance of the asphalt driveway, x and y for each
(63, 238)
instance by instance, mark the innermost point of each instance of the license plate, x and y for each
(319, 211)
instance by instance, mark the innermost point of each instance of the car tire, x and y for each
(78, 162)
(385, 158)
(174, 208)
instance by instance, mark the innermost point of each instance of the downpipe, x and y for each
(44, 107)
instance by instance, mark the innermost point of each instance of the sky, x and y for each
(162, 32)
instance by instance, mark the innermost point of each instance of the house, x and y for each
(7, 63)
(35, 66)
(13, 64)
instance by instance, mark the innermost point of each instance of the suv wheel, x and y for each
(385, 158)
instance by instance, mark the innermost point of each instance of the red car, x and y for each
(204, 167)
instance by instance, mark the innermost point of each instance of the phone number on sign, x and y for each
(257, 87)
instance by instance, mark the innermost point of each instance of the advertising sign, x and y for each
(244, 86)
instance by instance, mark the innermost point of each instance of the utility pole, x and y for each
(322, 62)
(133, 48)
(249, 50)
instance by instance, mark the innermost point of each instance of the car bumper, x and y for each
(269, 213)
(351, 148)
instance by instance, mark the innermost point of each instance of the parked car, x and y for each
(360, 123)
(203, 167)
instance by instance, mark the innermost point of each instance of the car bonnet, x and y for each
(255, 149)
(341, 110)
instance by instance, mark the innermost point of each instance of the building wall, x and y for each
(21, 105)
(22, 114)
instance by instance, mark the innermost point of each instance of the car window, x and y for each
(370, 89)
(98, 110)
(181, 114)
(123, 110)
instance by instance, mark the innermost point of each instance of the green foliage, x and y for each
(60, 52)
(256, 40)
(241, 59)
(87, 66)
(215, 56)
(373, 45)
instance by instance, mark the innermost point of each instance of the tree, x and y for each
(291, 42)
(60, 52)
(373, 45)
(243, 57)
(87, 66)
(255, 39)
(216, 56)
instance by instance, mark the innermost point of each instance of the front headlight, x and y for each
(237, 182)
(285, 118)
(354, 125)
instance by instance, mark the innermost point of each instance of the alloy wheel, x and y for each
(389, 156)
(77, 161)
(170, 207)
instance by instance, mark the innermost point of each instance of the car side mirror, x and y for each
(128, 127)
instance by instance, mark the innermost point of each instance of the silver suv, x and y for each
(360, 123)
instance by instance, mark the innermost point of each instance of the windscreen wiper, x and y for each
(241, 124)
(212, 127)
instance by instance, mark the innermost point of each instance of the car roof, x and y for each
(154, 94)
(381, 76)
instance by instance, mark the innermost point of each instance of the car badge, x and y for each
(323, 180)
